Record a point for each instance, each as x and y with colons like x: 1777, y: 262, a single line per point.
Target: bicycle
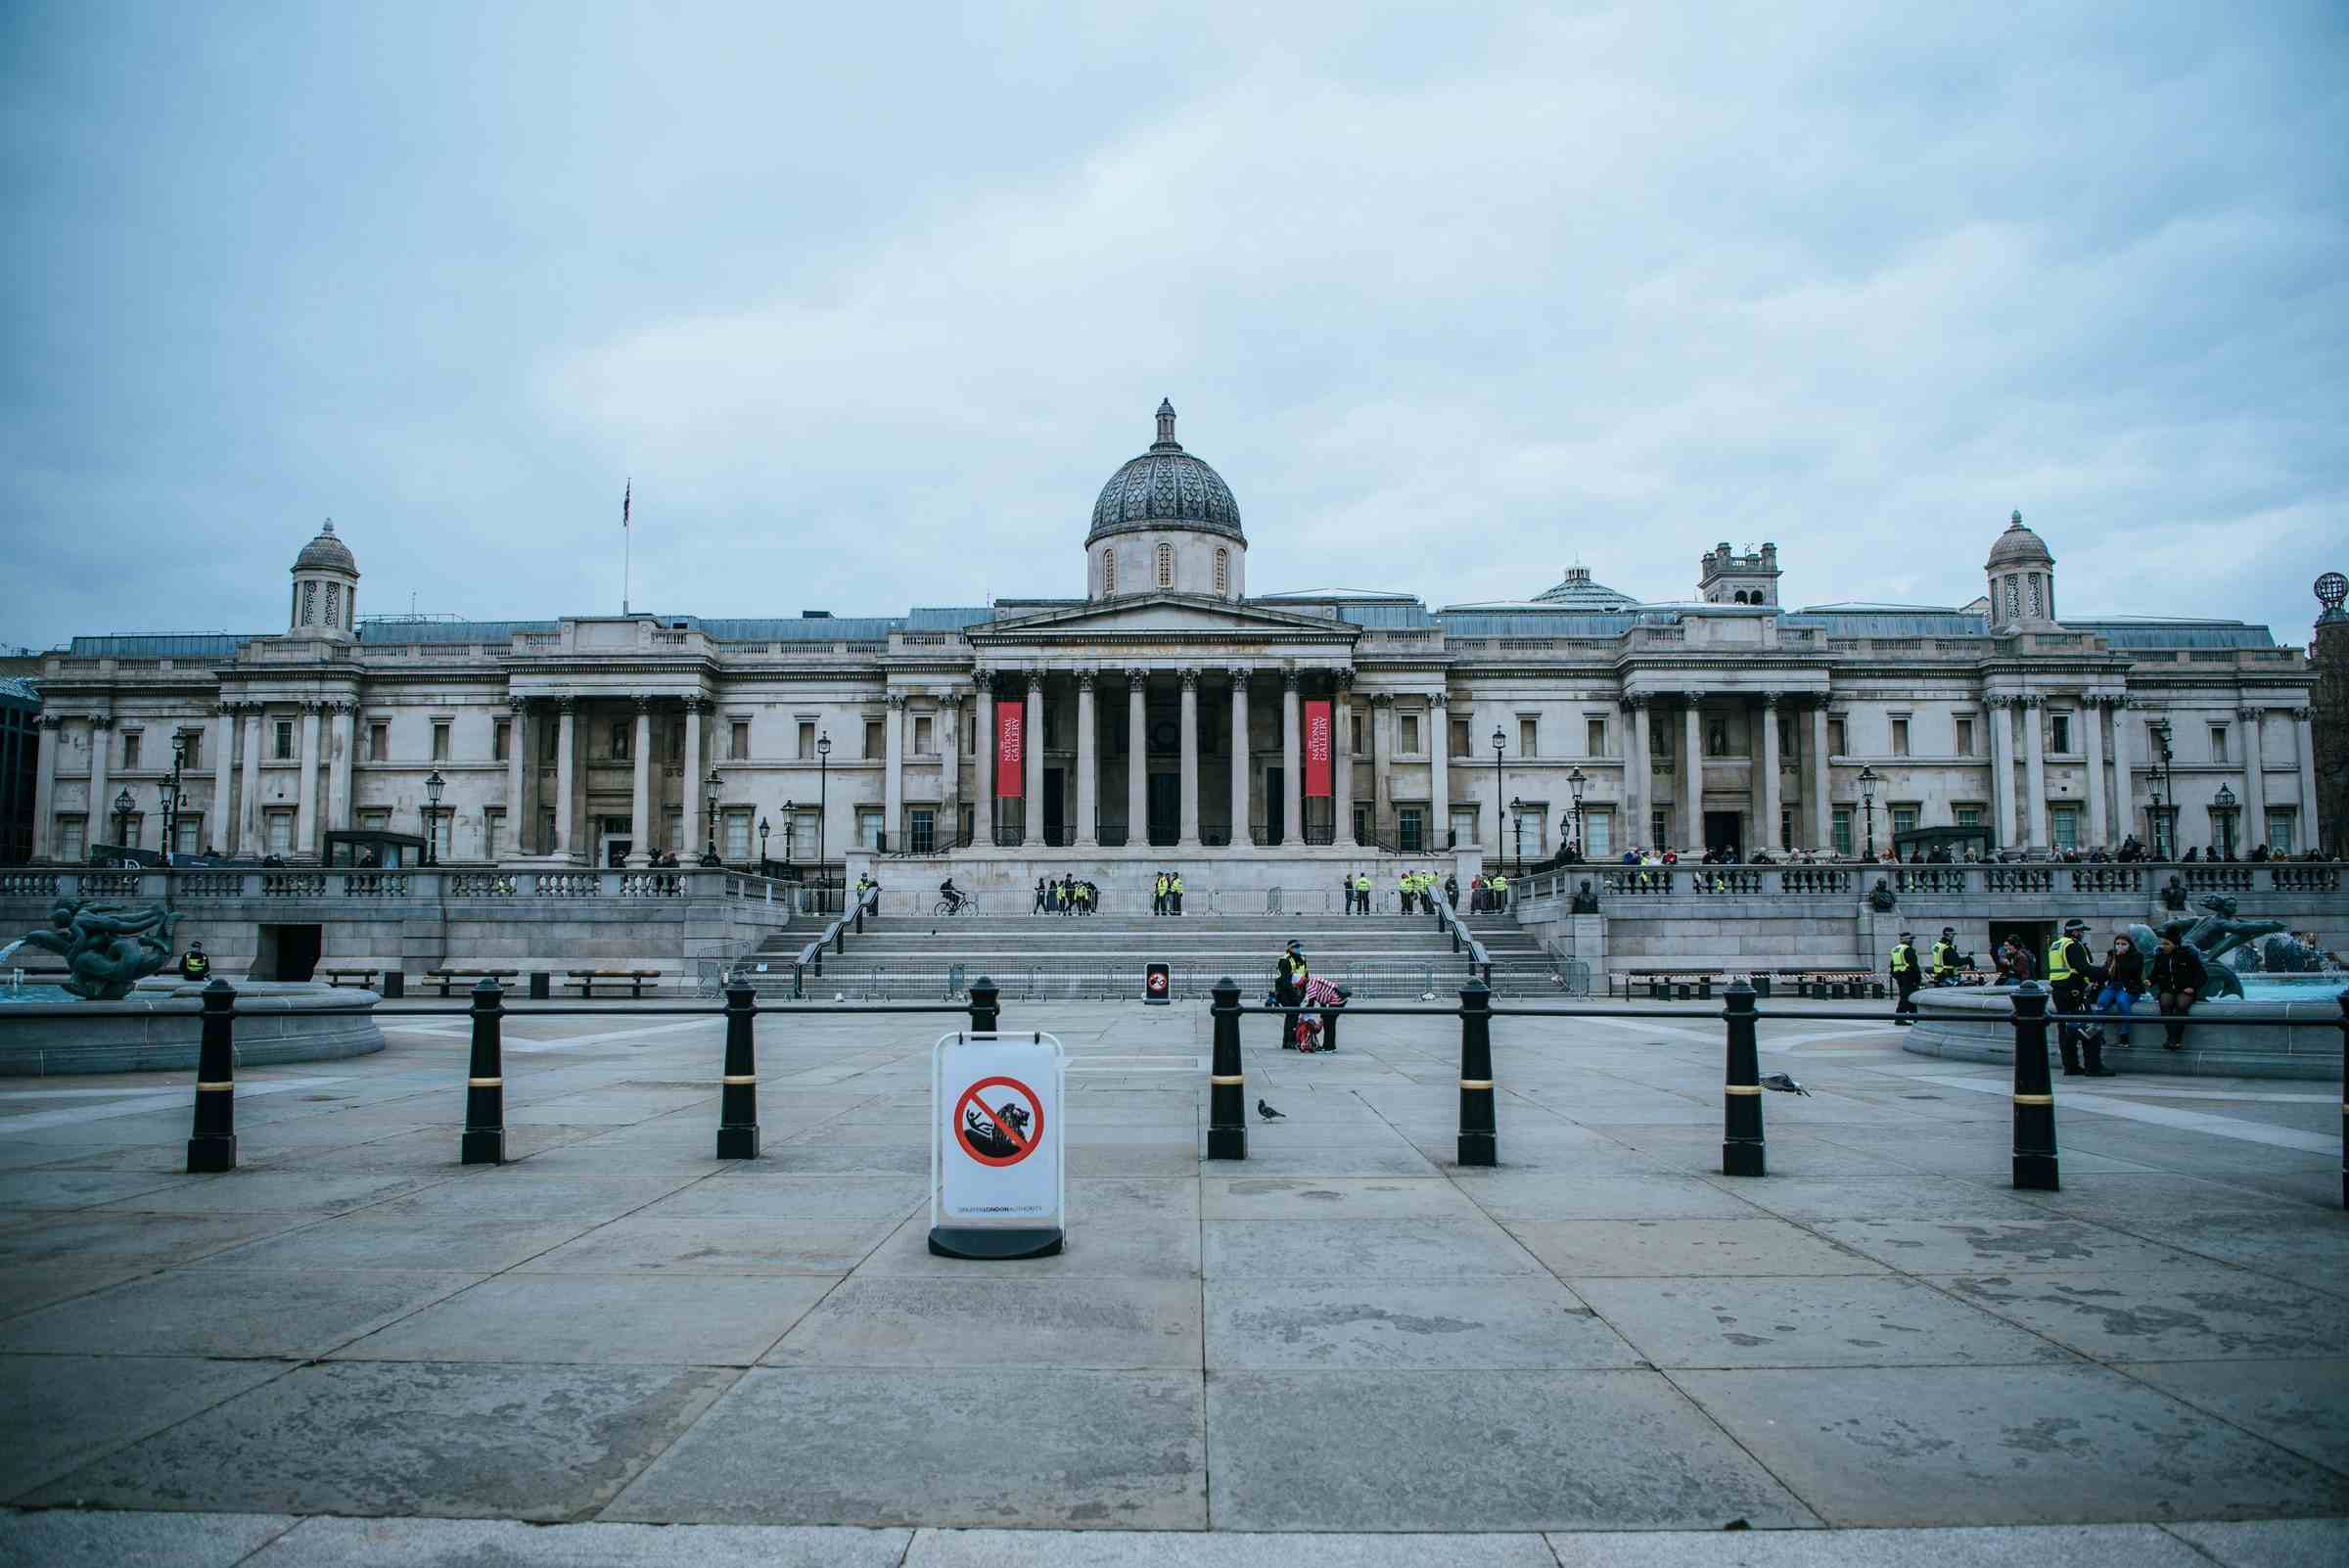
x: 952, y: 907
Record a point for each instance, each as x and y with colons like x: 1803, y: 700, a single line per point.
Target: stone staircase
x: 1035, y: 957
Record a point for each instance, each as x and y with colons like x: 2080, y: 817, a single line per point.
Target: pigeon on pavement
x: 1784, y: 1084
x: 1265, y: 1111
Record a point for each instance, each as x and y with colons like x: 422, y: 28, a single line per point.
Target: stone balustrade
x: 196, y: 886
x: 2058, y: 882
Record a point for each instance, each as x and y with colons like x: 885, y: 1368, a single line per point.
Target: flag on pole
x: 627, y: 498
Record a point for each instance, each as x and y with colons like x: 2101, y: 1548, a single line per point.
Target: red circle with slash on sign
x: 1004, y: 1133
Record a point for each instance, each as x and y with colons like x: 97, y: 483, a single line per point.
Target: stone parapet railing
x: 409, y: 885
x: 2142, y: 879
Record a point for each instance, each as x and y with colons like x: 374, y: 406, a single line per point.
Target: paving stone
x: 1262, y: 1197
x: 1758, y: 1245
x: 2271, y: 1543
x: 507, y: 1543
x: 392, y: 1437
x: 773, y: 1195
x: 1222, y: 1548
x: 517, y: 1195
x: 1917, y: 1197
x: 725, y: 1245
x: 997, y: 1321
x: 229, y: 1313
x: 61, y: 1539
x: 1114, y: 1242
x: 2165, y: 1196
x: 1514, y: 1195
x: 700, y: 1319
x: 2008, y: 1246
x: 1944, y: 1444
x: 1118, y: 1451
x: 1528, y: 1321
x: 259, y: 1190
x: 362, y: 1239
x: 2009, y: 1546
x: 2307, y: 1248
x: 1388, y: 1449
x: 1359, y: 1249
x: 2176, y: 1314
x: 2300, y: 1405
x: 80, y: 1190
x: 62, y: 1412
x: 1870, y: 1321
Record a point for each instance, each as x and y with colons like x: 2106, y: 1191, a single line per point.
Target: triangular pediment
x: 1158, y: 614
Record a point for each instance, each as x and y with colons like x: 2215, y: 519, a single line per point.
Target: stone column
x: 1089, y: 765
x: 518, y: 746
x: 2124, y: 771
x: 1239, y: 757
x: 2034, y: 773
x: 305, y: 803
x: 1693, y: 774
x: 1821, y: 787
x: 1032, y: 750
x: 1382, y: 763
x: 342, y: 738
x: 949, y: 767
x: 2002, y: 769
x: 1292, y: 781
x: 640, y: 800
x: 99, y: 826
x: 44, y: 787
x: 218, y: 834
x: 2305, y: 732
x: 693, y: 810
x: 567, y: 739
x: 2092, y: 723
x: 1190, y: 759
x: 249, y: 804
x: 1137, y: 756
x: 1341, y: 761
x: 1639, y: 766
x: 1769, y: 808
x: 2253, y: 823
x: 892, y: 772
x: 1439, y: 769
x: 983, y: 784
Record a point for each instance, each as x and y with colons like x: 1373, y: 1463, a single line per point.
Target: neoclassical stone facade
x: 1163, y: 714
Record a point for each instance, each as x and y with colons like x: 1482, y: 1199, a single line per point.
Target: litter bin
x: 541, y: 985
x: 395, y: 985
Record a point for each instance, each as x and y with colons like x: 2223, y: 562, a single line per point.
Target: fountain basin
x: 2254, y: 1038
x: 159, y: 1028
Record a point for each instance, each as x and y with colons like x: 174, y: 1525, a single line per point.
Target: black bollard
x: 1742, y: 1088
x: 738, y: 1092
x: 484, y: 1139
x: 983, y: 1011
x: 1329, y: 1030
x: 1226, y: 1084
x: 2034, y: 1093
x: 212, y: 1144
x: 1480, y: 1134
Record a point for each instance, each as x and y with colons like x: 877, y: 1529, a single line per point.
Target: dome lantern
x: 326, y: 589
x: 2022, y: 580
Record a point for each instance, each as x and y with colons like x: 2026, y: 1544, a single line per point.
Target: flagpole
x: 628, y: 541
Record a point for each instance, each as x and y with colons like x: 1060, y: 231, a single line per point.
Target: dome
x: 1166, y: 487
x: 1579, y: 592
x: 2019, y: 546
x: 326, y: 553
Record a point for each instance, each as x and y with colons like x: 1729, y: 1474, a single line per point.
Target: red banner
x: 1011, y: 751
x: 1316, y: 748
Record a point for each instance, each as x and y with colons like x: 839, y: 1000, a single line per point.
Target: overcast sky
x: 869, y: 300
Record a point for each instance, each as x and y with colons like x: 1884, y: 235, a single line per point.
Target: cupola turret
x: 326, y: 589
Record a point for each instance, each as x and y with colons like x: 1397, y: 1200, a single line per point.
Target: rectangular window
x: 130, y: 751
x: 742, y: 739
x: 73, y: 844
x: 440, y: 741
x: 191, y: 748
x: 2217, y: 743
x: 1837, y: 741
x: 623, y: 740
x: 375, y: 821
x: 1966, y: 737
x: 1463, y: 825
x: 2059, y: 734
x: 872, y: 739
x: 1598, y: 835
x: 2064, y: 825
x: 921, y: 830
x: 1966, y: 816
x: 1786, y: 827
x: 1410, y: 746
x: 280, y: 825
x: 1899, y: 737
x: 2283, y: 831
x: 737, y: 740
x: 676, y: 740
x: 187, y: 834
x: 1354, y: 728
x: 546, y: 831
x: 1410, y: 822
x: 1660, y: 742
x: 868, y: 827
x: 1843, y: 830
x: 923, y: 744
x: 1594, y: 737
x: 1527, y: 734
x: 1459, y: 739
x: 501, y: 740
x: 129, y: 830
x: 672, y: 824
x: 1658, y: 825
x: 283, y: 749
x: 1903, y: 820
x: 493, y: 831
x: 735, y: 826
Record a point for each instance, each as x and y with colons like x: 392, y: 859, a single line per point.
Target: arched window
x: 1741, y: 596
x: 1166, y: 565
x: 1222, y: 573
x: 1109, y: 572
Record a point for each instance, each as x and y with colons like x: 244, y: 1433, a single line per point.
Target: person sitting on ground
x: 2176, y: 978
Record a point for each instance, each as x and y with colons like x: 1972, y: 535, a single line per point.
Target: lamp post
x: 1499, y: 741
x: 1867, y: 803
x: 710, y: 787
x: 2165, y: 845
x: 791, y: 834
x: 1517, y: 830
x: 1575, y: 782
x: 2223, y: 821
x: 762, y: 845
x: 433, y: 784
x: 124, y: 807
x: 823, y: 757
x: 171, y: 790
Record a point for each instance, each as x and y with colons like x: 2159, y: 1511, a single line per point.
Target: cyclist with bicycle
x: 952, y: 894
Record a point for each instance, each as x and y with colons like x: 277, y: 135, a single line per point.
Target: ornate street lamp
x: 2222, y: 819
x: 2165, y: 838
x: 1868, y: 800
x: 762, y: 845
x: 710, y: 787
x: 823, y: 757
x: 171, y: 791
x: 1517, y: 828
x: 433, y: 784
x: 790, y: 832
x: 1499, y: 741
x: 1575, y: 782
x: 124, y: 807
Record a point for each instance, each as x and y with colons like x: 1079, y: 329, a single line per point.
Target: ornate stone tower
x: 1728, y: 578
x: 1166, y: 522
x: 326, y: 589
x: 2022, y: 581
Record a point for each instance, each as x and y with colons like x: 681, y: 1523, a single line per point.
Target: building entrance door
x: 1166, y: 807
x: 1721, y: 830
x: 1276, y: 807
x: 1056, y: 818
x: 614, y: 837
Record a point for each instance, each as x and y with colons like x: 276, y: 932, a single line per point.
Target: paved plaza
x: 353, y: 1349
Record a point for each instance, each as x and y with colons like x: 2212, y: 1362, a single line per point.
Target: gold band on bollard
x: 1742, y: 1088
x: 2035, y: 1100
x: 1219, y: 1078
x: 1476, y: 1082
x: 484, y: 1083
x: 203, y: 1087
x: 740, y: 1078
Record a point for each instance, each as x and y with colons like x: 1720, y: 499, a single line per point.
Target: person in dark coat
x: 1906, y: 976
x: 2178, y: 977
x: 2121, y: 979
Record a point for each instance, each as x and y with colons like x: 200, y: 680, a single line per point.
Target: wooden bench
x: 449, y: 976
x: 364, y: 979
x: 585, y: 980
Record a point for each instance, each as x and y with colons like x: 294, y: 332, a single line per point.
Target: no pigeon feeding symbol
x: 1004, y: 1133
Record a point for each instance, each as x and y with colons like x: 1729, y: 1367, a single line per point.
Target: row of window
x: 1161, y: 563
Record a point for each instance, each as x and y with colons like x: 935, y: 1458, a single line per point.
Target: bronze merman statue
x: 107, y: 948
x: 2211, y: 935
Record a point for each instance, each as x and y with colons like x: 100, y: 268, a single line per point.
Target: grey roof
x: 1165, y: 484
x: 160, y: 645
x: 18, y: 692
x: 1578, y: 592
x: 393, y: 632
x: 1334, y: 593
x: 326, y: 552
x: 1388, y: 616
x: 1484, y: 623
x: 2145, y: 633
x: 948, y: 618
x: 800, y: 628
x: 1892, y: 621
x: 2019, y: 546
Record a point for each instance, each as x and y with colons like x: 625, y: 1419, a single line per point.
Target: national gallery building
x: 1169, y: 713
